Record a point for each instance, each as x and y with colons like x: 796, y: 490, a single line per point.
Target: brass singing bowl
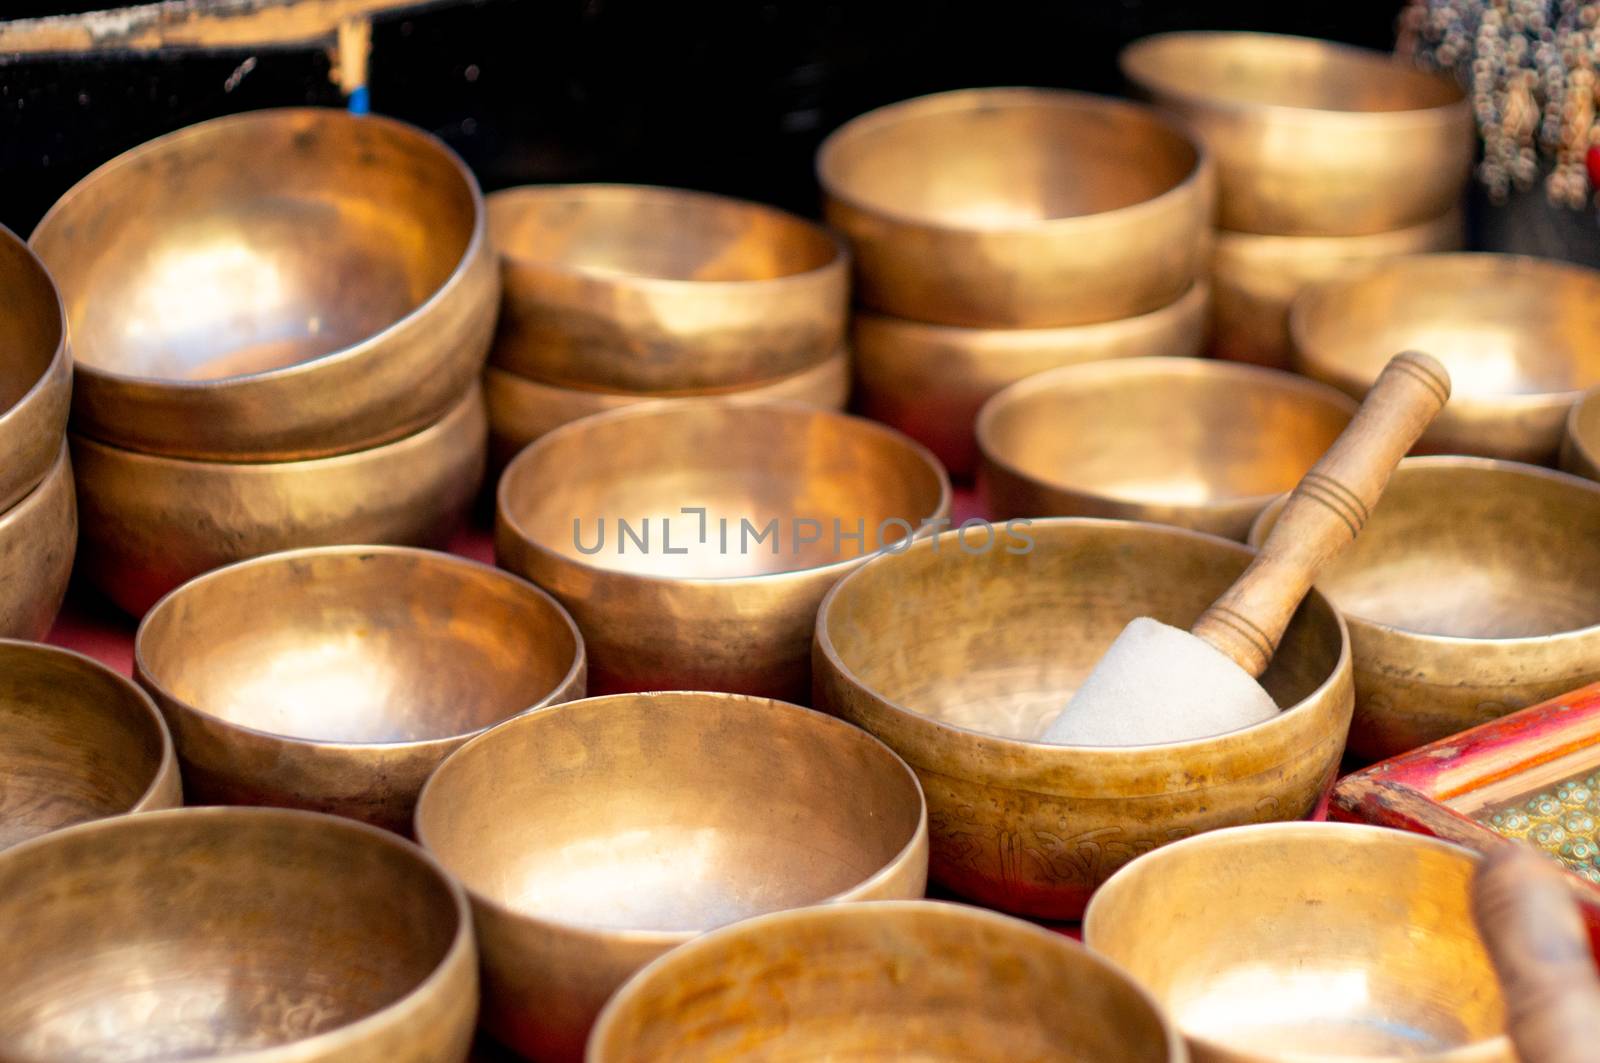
x: 958, y: 654
x: 1473, y: 591
x: 930, y: 381
x: 622, y: 517
x: 35, y: 371
x: 1255, y: 279
x: 522, y: 410
x: 272, y: 286
x: 151, y: 523
x: 1312, y: 138
x: 1292, y: 942
x: 1580, y: 447
x: 595, y: 836
x: 633, y: 288
x: 77, y: 742
x: 336, y: 679
x: 38, y: 539
x: 232, y: 934
x: 1520, y: 336
x: 937, y: 983
x: 1018, y: 208
x: 1194, y: 443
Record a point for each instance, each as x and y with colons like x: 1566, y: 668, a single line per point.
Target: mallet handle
x: 1326, y: 511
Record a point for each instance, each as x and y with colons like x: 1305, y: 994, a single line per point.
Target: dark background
x: 727, y: 96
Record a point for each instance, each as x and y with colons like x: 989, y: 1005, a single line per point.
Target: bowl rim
x: 839, y: 262
x: 1135, y: 52
x: 1486, y: 1050
x: 1185, y: 370
x: 1585, y: 447
x: 477, y: 242
x: 636, y: 984
x: 60, y: 360
x: 166, y: 771
x: 960, y: 101
x: 22, y: 508
x: 825, y: 645
x: 687, y: 406
x: 461, y: 950
x: 917, y: 842
x: 1267, y: 249
x: 1470, y: 463
x: 541, y: 391
x: 576, y: 670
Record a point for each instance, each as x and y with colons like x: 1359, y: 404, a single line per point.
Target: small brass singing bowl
x: 1194, y: 443
x: 958, y: 651
x: 35, y: 371
x: 1312, y: 138
x: 522, y: 410
x: 336, y: 679
x: 1520, y: 336
x: 38, y: 537
x: 77, y: 742
x: 938, y: 983
x: 693, y: 539
x: 595, y: 836
x: 1473, y: 591
x: 930, y: 381
x: 1293, y: 942
x: 272, y: 286
x: 633, y: 288
x: 1018, y: 208
x: 1256, y: 278
x: 151, y: 523
x: 232, y: 934
x: 1580, y: 448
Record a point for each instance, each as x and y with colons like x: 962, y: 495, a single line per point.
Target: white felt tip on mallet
x: 1159, y: 684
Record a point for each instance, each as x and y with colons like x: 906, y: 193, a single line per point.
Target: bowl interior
x: 1185, y: 436
x: 76, y: 742
x: 192, y: 934
x: 358, y: 645
x: 1306, y: 944
x: 998, y: 642
x: 1501, y: 325
x: 30, y: 321
x: 782, y: 488
x: 255, y: 243
x: 611, y: 230
x: 1267, y: 70
x: 1003, y: 158
x: 923, y: 982
x: 1473, y: 549
x: 668, y: 812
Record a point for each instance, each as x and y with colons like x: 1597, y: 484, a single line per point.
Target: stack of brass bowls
x: 1327, y: 156
x: 279, y: 319
x: 38, y: 513
x: 1002, y: 232
x: 616, y: 294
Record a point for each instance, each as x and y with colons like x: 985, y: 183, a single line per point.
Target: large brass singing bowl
x: 1312, y: 138
x: 38, y: 538
x: 1473, y: 591
x: 1291, y: 942
x: 1018, y: 208
x: 693, y: 540
x: 907, y: 980
x: 929, y: 381
x: 957, y: 658
x: 35, y: 371
x: 1520, y: 336
x: 522, y: 410
x: 273, y: 285
x: 1256, y: 278
x: 632, y: 288
x: 595, y: 836
x: 1198, y: 444
x: 1580, y: 447
x: 337, y: 679
x: 237, y: 935
x: 151, y: 523
x: 77, y: 742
